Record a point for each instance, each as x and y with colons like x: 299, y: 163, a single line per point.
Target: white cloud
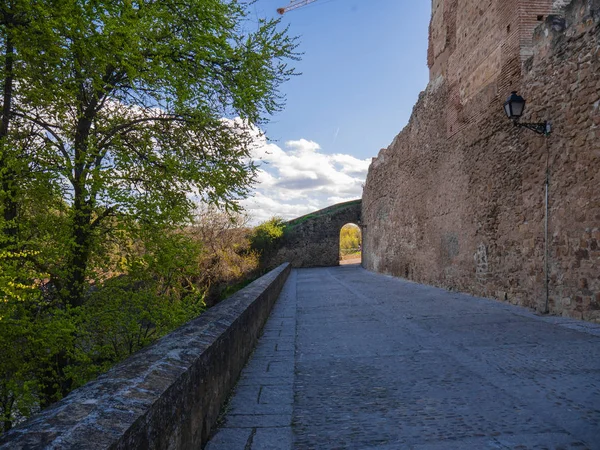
x: 300, y: 178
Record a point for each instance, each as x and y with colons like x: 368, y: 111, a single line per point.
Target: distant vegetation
x: 116, y: 119
x: 350, y: 241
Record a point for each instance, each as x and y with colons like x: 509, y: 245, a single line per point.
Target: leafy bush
x: 265, y: 236
x: 32, y: 333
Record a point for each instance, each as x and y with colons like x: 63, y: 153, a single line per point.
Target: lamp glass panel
x: 517, y: 107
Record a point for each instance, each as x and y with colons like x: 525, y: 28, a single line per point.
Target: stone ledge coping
x: 167, y: 395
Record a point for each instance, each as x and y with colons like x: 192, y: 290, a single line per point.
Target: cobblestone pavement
x: 353, y: 359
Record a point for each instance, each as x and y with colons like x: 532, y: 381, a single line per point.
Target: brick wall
x: 478, y: 47
x: 463, y: 207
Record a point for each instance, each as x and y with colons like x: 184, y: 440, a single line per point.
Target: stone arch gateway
x: 313, y: 240
x: 350, y: 244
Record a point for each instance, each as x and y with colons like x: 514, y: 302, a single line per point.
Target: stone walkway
x: 352, y: 359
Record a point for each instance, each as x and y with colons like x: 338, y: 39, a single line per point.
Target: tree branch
x: 106, y: 213
x: 125, y: 126
x: 48, y: 128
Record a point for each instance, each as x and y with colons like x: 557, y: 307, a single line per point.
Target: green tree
x: 139, y: 111
x: 116, y: 117
x: 28, y: 52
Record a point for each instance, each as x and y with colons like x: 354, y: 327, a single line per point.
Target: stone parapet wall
x: 465, y: 210
x: 166, y: 396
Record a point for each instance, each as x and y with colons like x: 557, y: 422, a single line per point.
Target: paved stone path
x: 352, y: 359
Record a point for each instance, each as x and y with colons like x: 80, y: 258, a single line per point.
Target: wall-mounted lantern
x: 514, y: 108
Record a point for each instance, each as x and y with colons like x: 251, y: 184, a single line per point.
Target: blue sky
x: 364, y: 63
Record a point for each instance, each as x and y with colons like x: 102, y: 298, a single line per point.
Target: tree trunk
x: 81, y: 230
x: 80, y: 253
x: 8, y: 182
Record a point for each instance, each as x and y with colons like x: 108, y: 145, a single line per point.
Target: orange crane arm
x: 294, y: 4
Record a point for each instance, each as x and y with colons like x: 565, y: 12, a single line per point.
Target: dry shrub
x: 226, y: 261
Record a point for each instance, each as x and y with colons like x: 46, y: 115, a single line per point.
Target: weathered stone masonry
x: 313, y: 240
x: 457, y: 200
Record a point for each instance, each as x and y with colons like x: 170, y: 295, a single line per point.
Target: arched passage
x: 313, y: 240
x: 350, y: 244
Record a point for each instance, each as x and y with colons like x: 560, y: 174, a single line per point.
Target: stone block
x: 273, y: 439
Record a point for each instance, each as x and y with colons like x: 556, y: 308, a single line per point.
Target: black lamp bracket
x: 544, y: 128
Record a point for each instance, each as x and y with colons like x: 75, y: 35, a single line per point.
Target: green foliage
x: 266, y: 235
x: 131, y: 106
x: 29, y: 341
x: 12, y: 290
x: 31, y: 334
x: 115, y: 118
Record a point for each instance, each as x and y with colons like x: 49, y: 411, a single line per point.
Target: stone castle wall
x: 477, y: 47
x: 457, y: 200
